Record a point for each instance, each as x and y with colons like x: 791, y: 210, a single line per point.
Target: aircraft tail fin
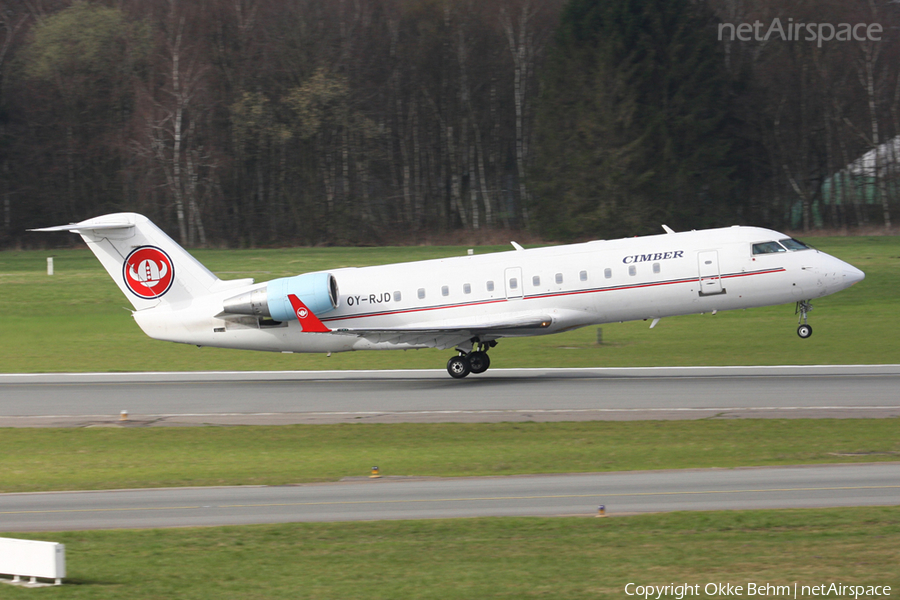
x: 148, y: 266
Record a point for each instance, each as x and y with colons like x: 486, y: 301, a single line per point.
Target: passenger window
x: 559, y: 278
x: 467, y: 288
x: 396, y: 296
x: 656, y: 267
x: 513, y: 283
x: 445, y: 291
x: 490, y: 286
x: 536, y: 280
x: 607, y: 273
x: 632, y: 270
x: 421, y: 293
x: 583, y: 276
x: 768, y: 248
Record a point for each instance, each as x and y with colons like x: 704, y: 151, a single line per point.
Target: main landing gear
x: 803, y: 307
x: 475, y: 361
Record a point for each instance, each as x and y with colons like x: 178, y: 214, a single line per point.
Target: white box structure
x: 28, y: 558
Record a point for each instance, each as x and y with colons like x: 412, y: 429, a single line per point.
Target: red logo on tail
x: 148, y: 272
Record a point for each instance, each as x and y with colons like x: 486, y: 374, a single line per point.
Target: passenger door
x: 710, y: 278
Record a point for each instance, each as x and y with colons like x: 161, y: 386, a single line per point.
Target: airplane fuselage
x: 574, y: 285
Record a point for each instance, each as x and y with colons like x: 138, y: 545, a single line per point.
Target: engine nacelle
x: 318, y: 291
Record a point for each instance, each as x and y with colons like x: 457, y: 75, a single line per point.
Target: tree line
x: 272, y: 122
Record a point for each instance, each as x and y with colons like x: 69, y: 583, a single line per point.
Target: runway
x: 543, y: 495
x: 186, y: 398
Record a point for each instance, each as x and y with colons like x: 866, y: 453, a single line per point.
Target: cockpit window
x: 792, y: 244
x: 768, y: 248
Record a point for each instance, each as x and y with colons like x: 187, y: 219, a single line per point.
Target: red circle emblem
x: 148, y: 272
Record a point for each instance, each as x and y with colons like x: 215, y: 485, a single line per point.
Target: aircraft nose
x: 852, y: 275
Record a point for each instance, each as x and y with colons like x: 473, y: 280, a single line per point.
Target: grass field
x: 74, y: 320
x: 104, y: 458
x: 564, y: 558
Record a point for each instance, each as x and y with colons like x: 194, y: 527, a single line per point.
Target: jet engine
x: 318, y: 291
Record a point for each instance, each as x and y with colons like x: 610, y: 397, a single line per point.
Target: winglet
x: 308, y: 320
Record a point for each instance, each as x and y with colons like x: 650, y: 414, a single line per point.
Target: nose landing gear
x: 803, y: 307
x: 475, y: 361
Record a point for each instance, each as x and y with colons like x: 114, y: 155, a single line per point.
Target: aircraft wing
x: 449, y: 336
x: 499, y: 327
x: 439, y: 336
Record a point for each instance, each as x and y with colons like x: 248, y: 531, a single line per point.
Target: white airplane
x: 466, y: 302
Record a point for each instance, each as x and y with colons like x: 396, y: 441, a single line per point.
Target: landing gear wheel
x: 804, y: 307
x: 458, y: 367
x: 479, y: 362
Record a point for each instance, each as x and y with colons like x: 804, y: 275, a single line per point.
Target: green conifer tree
x: 633, y: 121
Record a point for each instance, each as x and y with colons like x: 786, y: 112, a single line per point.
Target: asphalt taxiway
x: 190, y: 398
x: 412, y: 498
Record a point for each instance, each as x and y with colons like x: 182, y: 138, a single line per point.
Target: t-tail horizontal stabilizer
x: 308, y: 320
